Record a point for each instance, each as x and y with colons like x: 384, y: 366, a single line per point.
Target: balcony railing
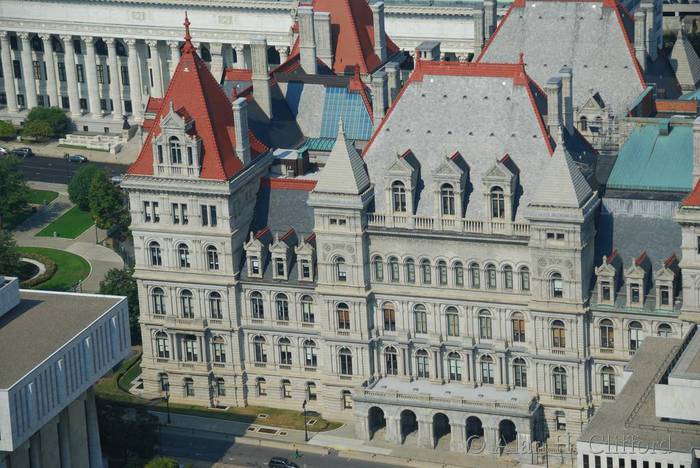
x: 455, y: 401
x: 465, y: 226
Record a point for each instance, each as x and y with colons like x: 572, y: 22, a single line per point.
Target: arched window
x: 215, y: 305
x: 422, y: 364
x: 282, y: 307
x: 341, y: 272
x: 311, y: 391
x: 584, y: 123
x: 664, y: 330
x: 158, y: 300
x: 556, y: 285
x: 191, y: 348
x: 186, y: 303
x: 175, y: 150
x: 559, y: 377
x: 607, y: 381
x: 212, y: 258
x: 635, y: 335
x: 410, y: 270
x: 345, y: 361
x: 458, y: 270
x: 454, y: 366
x: 162, y: 345
x: 261, y: 385
x: 420, y: 318
x: 183, y: 255
x: 389, y: 313
x: 257, y: 306
x: 310, y: 358
x: 398, y: 197
x: 498, y: 203
x: 517, y: 321
x: 491, y: 276
x: 475, y: 275
x: 487, y: 369
x: 286, y: 388
x: 164, y: 382
x: 507, y: 277
x: 218, y: 347
x: 343, y: 312
x: 519, y: 372
x: 391, y: 361
x: 394, y: 269
x: 524, y: 279
x: 442, y: 272
x: 558, y: 335
x: 485, y: 329
x: 452, y: 317
x: 378, y: 268
x: 154, y: 250
x: 346, y: 398
x: 447, y: 198
x: 606, y: 334
x: 285, y: 349
x: 259, y: 349
x: 426, y: 273
x: 219, y: 387
x: 307, y: 309
x: 188, y: 387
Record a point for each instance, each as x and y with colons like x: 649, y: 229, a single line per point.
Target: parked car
x: 77, y: 158
x: 117, y: 179
x: 279, y: 462
x: 4, y: 151
x: 23, y: 152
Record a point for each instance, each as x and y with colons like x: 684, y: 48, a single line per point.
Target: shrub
x: 162, y: 462
x: 49, y: 264
x: 38, y: 129
x: 7, y: 130
x: 55, y: 117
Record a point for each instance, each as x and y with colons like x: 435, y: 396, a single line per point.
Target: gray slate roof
x: 685, y: 62
x: 344, y: 171
x: 582, y: 35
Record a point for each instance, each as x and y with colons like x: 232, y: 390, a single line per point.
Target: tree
x: 79, y: 187
x: 122, y: 283
x: 13, y: 189
x: 9, y: 256
x: 38, y: 129
x: 107, y: 205
x: 125, y: 436
x: 7, y: 130
x: 162, y: 462
x: 55, y: 117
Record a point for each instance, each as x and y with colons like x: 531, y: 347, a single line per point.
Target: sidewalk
x: 51, y: 149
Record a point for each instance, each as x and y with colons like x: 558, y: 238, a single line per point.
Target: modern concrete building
x: 53, y: 348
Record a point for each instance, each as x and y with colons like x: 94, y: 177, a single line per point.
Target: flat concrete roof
x: 688, y: 366
x: 633, y: 414
x: 40, y: 325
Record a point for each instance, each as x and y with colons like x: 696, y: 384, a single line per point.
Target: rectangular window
x: 36, y: 66
x: 634, y: 292
x: 127, y: 106
x: 83, y: 104
x: 160, y: 154
x: 597, y: 462
x: 147, y: 212
x: 212, y: 216
x: 156, y: 212
x: 665, y: 295
x: 605, y: 288
x: 279, y: 267
x: 103, y: 105
x: 65, y: 102
x: 20, y: 100
x: 610, y: 462
x: 254, y: 265
x: 150, y: 76
x: 586, y: 462
x: 3, y: 98
x: 61, y: 71
x: 109, y: 75
x: 78, y: 46
x: 176, y: 214
x: 100, y: 73
x: 14, y: 43
x: 205, y: 215
x: 190, y: 159
x: 125, y: 75
x: 183, y: 213
x: 452, y: 325
x: 620, y: 463
x: 17, y: 69
x: 305, y: 269
x: 80, y: 72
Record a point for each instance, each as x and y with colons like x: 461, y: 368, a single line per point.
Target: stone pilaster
x: 284, y: 53
x: 28, y: 71
x: 35, y: 451
x: 134, y: 80
x: 174, y: 56
x: 156, y: 69
x: 425, y: 434
x: 217, y: 60
x: 71, y: 76
x: 93, y: 431
x: 240, y: 56
x: 91, y: 76
x: 458, y: 437
x: 50, y: 449
x: 115, y: 88
x: 64, y: 438
x: 51, y: 83
x: 8, y: 73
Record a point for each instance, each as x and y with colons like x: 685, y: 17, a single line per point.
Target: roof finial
x: 341, y: 128
x: 357, y: 73
x: 188, y: 37
x: 521, y: 58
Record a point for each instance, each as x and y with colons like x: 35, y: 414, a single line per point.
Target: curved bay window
x: 398, y: 197
x: 498, y: 203
x: 447, y: 200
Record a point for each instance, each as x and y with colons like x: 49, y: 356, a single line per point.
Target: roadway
x: 204, y: 449
x: 58, y: 171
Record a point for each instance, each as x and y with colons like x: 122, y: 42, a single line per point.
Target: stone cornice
x: 241, y: 4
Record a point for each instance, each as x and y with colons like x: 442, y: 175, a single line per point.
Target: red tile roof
x: 693, y: 199
x: 305, y: 185
x: 194, y: 92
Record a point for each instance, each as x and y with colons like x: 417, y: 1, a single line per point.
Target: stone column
x: 284, y: 53
x: 174, y: 56
x: 393, y: 430
x: 115, y: 87
x: 362, y: 425
x: 71, y: 76
x: 50, y: 452
x: 134, y: 80
x: 91, y: 77
x: 20, y: 457
x: 8, y: 72
x: 240, y: 55
x: 28, y: 71
x: 64, y: 438
x: 490, y: 440
x: 51, y: 82
x: 35, y: 450
x: 425, y: 434
x: 156, y: 66
x: 458, y: 437
x: 93, y: 431
x: 217, y: 60
x: 78, y: 433
x: 3, y: 460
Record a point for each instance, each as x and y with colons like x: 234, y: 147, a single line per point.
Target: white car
x: 4, y: 151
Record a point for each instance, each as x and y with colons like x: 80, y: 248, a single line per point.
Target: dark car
x: 77, y: 158
x: 23, y: 152
x: 279, y: 462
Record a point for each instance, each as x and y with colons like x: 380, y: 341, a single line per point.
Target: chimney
x: 640, y: 38
x: 553, y: 90
x: 379, y: 99
x: 393, y: 74
x: 567, y: 100
x: 240, y: 123
x: 322, y: 34
x: 428, y: 51
x: 379, y: 35
x: 650, y: 11
x: 479, y: 38
x: 490, y: 18
x: 261, y: 74
x: 696, y: 151
x: 307, y: 42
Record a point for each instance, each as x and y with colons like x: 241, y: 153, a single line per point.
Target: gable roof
x: 685, y: 62
x: 344, y: 171
x: 582, y: 30
x: 194, y: 92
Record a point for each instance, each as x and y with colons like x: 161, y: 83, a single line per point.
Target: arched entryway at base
x: 475, y: 434
x: 377, y: 421
x: 507, y: 434
x: 409, y: 426
x: 441, y: 431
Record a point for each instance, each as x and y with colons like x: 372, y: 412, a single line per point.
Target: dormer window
x: 498, y: 203
x: 398, y: 196
x: 664, y: 296
x: 175, y: 150
x: 305, y: 269
x: 254, y: 265
x: 635, y: 296
x: 605, y: 291
x: 280, y: 268
x: 447, y: 198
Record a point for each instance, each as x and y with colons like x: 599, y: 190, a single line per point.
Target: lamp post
x: 167, y: 399
x: 306, y: 434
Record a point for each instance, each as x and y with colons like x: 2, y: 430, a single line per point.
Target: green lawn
x: 70, y: 225
x: 70, y: 268
x: 39, y: 197
x: 114, y: 389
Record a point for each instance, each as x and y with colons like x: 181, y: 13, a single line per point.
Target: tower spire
x: 188, y: 37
